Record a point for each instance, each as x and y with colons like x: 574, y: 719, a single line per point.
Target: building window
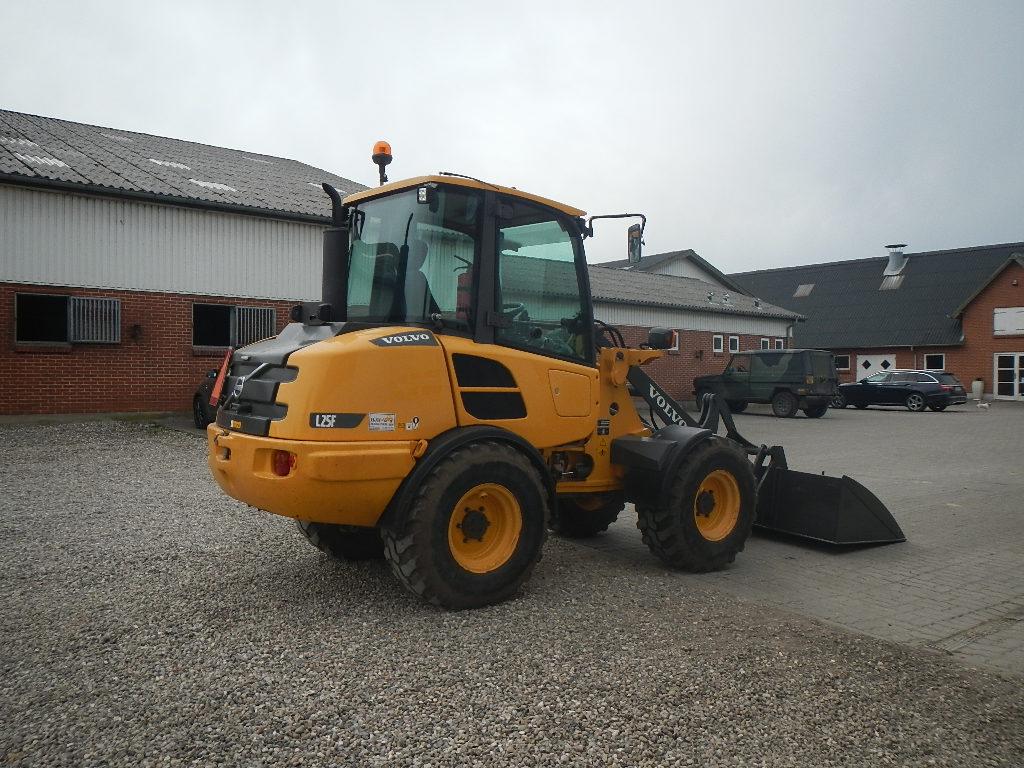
x: 48, y: 319
x: 935, y: 362
x: 842, y: 362
x: 675, y: 341
x: 766, y: 343
x: 804, y: 289
x: 1008, y: 321
x: 734, y: 343
x: 224, y: 325
x: 718, y: 343
x: 780, y: 343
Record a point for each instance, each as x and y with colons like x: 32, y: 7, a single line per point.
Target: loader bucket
x: 829, y: 509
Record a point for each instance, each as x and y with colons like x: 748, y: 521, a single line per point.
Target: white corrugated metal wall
x: 57, y: 238
x: 685, y: 320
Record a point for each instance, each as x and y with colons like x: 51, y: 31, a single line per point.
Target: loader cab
x: 463, y: 257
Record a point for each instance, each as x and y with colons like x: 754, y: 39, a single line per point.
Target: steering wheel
x: 515, y: 310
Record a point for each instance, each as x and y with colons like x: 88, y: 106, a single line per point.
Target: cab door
x: 736, y: 378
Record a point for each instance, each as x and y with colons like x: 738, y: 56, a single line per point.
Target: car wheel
x: 937, y: 408
x: 815, y: 413
x: 737, y: 406
x: 198, y: 415
x: 915, y: 402
x: 838, y: 400
x: 784, y: 404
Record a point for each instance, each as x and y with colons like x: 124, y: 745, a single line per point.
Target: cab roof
x: 460, y: 181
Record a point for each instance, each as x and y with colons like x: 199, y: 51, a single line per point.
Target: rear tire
x: 784, y: 404
x: 937, y: 408
x: 706, y: 518
x: 585, y: 517
x: 915, y: 402
x: 198, y: 414
x: 815, y: 413
x: 474, y: 530
x: 737, y: 406
x: 344, y: 542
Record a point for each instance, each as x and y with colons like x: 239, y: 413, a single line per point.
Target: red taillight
x: 282, y: 462
x: 946, y: 387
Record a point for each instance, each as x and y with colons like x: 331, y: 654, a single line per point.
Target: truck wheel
x: 815, y: 413
x: 474, y: 529
x: 585, y: 516
x: 198, y: 416
x: 784, y: 404
x: 706, y: 518
x: 915, y: 402
x: 345, y: 542
x: 737, y: 406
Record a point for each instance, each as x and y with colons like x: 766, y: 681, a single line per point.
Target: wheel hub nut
x: 705, y: 503
x: 474, y: 524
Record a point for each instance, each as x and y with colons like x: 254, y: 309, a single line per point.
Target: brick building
x: 960, y: 310
x: 129, y: 262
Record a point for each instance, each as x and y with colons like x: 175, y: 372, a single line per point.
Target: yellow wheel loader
x: 452, y: 398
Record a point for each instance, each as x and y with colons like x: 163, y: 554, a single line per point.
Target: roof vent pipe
x: 897, y: 259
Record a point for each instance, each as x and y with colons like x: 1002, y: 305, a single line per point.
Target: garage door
x: 869, y: 364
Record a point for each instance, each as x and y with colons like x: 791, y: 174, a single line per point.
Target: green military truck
x: 789, y: 379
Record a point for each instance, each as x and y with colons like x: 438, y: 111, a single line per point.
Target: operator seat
x: 419, y: 301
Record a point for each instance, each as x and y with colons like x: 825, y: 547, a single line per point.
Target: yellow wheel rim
x: 716, y: 507
x: 484, y: 528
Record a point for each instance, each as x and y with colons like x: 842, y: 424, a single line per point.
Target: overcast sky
x: 758, y: 134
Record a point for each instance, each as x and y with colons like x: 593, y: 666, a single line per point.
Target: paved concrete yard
x: 955, y: 483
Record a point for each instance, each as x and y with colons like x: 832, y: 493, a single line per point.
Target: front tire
x: 585, y: 516
x: 915, y: 402
x: 784, y: 404
x: 474, y: 530
x: 706, y: 518
x: 344, y: 542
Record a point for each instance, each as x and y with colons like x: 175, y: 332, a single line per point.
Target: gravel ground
x: 149, y: 620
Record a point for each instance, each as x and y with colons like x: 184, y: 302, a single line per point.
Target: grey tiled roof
x: 51, y: 152
x: 846, y: 309
x: 618, y: 286
x: 655, y: 260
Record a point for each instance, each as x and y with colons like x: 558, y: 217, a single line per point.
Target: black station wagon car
x: 789, y: 379
x: 916, y: 390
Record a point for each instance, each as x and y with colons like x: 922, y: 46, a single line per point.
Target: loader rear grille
x: 250, y: 394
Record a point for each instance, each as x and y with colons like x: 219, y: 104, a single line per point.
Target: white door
x: 1009, y: 375
x: 869, y: 364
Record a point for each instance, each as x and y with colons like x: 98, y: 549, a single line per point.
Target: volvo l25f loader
x: 452, y: 397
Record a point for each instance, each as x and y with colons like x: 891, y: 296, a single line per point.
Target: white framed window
x: 56, y: 319
x: 225, y: 325
x: 734, y: 343
x: 675, y: 340
x: 935, y: 362
x: 718, y: 344
x: 766, y: 343
x: 842, y: 362
x: 1008, y: 321
x: 780, y: 343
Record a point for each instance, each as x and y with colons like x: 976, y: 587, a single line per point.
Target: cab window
x: 739, y: 364
x: 539, y: 295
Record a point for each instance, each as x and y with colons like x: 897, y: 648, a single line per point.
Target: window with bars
x: 226, y: 325
x: 717, y: 343
x: 48, y: 319
x: 734, y: 343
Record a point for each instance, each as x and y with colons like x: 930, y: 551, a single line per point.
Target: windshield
x: 412, y: 261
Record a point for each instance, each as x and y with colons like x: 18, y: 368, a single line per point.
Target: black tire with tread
x: 344, y: 542
x: 915, y: 402
x: 198, y: 415
x: 575, y: 521
x: 817, y: 412
x: 670, y: 530
x: 416, y: 539
x: 784, y: 404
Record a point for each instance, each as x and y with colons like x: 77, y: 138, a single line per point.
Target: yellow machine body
x: 406, y: 397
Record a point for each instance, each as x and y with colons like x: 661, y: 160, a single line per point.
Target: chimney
x: 897, y: 260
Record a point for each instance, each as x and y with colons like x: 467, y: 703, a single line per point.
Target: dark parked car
x: 916, y: 390
x: 202, y: 412
x: 789, y: 379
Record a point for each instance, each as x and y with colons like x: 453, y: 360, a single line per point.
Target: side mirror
x: 661, y: 338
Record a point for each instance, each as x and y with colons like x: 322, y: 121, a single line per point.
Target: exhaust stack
x: 897, y: 259
x: 335, y: 273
